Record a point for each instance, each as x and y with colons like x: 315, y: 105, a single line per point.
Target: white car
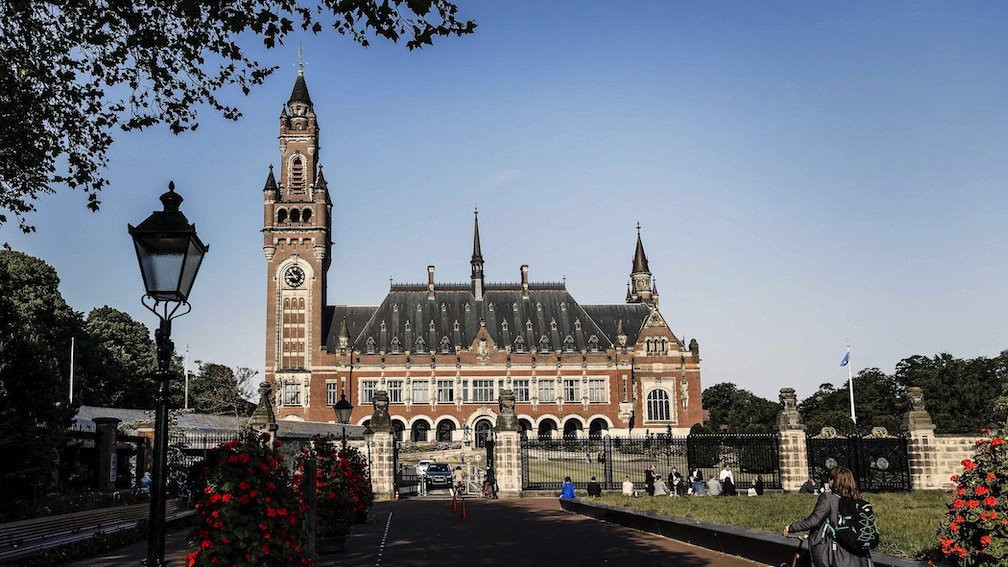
x: 421, y: 467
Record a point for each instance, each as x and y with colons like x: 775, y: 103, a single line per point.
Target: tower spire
x: 640, y: 275
x: 477, y: 259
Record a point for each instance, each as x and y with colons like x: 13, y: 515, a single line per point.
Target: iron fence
x: 545, y: 463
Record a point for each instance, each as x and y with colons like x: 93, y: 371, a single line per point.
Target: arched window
x: 658, y: 405
x: 295, y: 215
x: 483, y: 428
x: 398, y: 427
x: 370, y: 345
x: 286, y: 303
x: 297, y: 178
x: 546, y: 428
x: 282, y: 216
x: 300, y: 303
x: 445, y: 345
x: 571, y: 429
x: 444, y: 431
x: 593, y: 343
x: 395, y: 345
x: 420, y: 345
x: 420, y: 430
x: 306, y: 215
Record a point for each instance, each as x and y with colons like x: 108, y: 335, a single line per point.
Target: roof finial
x: 638, y: 228
x: 300, y: 61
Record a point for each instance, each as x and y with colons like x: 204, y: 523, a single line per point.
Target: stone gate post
x: 793, y: 450
x: 507, y: 450
x: 922, y: 447
x: 106, y: 431
x: 382, y: 448
x: 263, y: 419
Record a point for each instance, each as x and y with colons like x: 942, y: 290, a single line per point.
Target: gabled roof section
x: 354, y: 316
x: 608, y: 316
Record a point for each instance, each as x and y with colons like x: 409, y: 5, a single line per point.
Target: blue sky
x: 805, y: 174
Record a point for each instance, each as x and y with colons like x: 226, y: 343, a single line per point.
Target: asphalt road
x: 511, y: 533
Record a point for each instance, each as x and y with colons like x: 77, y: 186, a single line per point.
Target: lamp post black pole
x: 156, y: 528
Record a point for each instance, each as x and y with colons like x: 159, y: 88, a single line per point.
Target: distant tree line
x: 114, y: 366
x: 962, y: 396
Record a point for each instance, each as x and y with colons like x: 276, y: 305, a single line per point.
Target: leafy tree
x: 880, y: 403
x: 735, y: 410
x: 216, y: 388
x: 35, y: 329
x: 960, y: 394
x: 76, y: 71
x: 118, y: 359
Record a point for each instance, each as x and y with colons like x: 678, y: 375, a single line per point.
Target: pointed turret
x: 640, y: 275
x: 477, y: 260
x: 300, y: 92
x: 271, y: 184
x: 344, y: 334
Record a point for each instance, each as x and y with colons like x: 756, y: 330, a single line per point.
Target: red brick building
x: 443, y: 351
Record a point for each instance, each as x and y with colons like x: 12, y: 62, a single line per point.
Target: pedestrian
x: 568, y: 490
x: 823, y: 548
x: 649, y: 480
x: 594, y: 488
x: 490, y: 484
x: 601, y: 458
x: 145, y: 483
x: 458, y: 479
x: 627, y: 486
x: 758, y: 485
x: 725, y: 473
x: 713, y: 486
x: 588, y: 457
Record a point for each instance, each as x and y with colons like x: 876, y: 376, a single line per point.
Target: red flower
x: 954, y: 527
x: 262, y: 526
x: 957, y: 503
x: 985, y: 541
x: 271, y: 512
x: 214, y: 498
x: 243, y: 485
x: 226, y: 498
x: 991, y: 476
x: 982, y: 490
x: 264, y: 548
x: 191, y: 558
x: 990, y: 502
x: 997, y: 441
x: 972, y: 503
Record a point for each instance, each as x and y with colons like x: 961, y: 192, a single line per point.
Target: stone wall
x: 950, y: 450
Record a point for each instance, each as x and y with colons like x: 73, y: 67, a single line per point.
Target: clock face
x: 294, y: 276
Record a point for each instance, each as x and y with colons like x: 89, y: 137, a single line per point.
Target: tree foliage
x: 738, y: 411
x: 117, y: 361
x: 880, y: 403
x: 219, y: 389
x: 75, y: 72
x: 960, y: 394
x: 35, y: 329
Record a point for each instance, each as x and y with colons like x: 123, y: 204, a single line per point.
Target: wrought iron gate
x: 879, y: 461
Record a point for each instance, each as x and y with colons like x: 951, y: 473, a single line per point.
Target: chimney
x: 524, y: 281
x: 430, y: 282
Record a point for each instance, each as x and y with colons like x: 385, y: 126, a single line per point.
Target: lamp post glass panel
x: 170, y: 254
x: 343, y: 409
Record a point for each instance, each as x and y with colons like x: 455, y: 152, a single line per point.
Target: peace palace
x: 444, y: 351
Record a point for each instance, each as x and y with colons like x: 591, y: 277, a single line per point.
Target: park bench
x: 25, y: 537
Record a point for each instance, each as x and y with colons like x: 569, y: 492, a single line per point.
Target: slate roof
x: 300, y: 91
x: 407, y: 314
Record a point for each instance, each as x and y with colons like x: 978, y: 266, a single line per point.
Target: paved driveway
x: 509, y: 533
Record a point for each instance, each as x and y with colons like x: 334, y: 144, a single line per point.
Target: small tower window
x: 306, y: 215
x: 295, y: 215
x: 282, y: 216
x: 297, y: 177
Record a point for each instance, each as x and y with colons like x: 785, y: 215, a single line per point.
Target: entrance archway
x: 483, y: 428
x: 524, y: 427
x: 571, y: 429
x: 398, y: 427
x: 445, y: 427
x: 546, y: 428
x: 421, y: 428
x: 597, y: 427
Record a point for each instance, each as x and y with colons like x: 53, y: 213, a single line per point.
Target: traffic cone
x: 454, y: 502
x: 465, y: 515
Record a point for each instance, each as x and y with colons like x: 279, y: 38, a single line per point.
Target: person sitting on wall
x: 696, y: 479
x: 594, y: 488
x: 728, y: 487
x: 758, y: 485
x: 659, y: 487
x: 808, y: 488
x: 568, y: 490
x: 714, y: 486
x: 627, y: 486
x: 649, y: 480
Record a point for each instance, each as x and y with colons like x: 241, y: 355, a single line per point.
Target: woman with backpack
x: 838, y: 514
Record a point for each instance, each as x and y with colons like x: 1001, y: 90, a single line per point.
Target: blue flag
x: 845, y: 360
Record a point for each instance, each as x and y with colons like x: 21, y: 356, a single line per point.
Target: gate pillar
x: 794, y: 469
x: 507, y: 448
x: 921, y: 448
x: 382, y: 449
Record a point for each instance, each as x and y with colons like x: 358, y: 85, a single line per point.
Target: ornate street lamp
x: 343, y: 409
x: 170, y: 254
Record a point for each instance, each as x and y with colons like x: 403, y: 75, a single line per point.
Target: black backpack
x: 856, y: 530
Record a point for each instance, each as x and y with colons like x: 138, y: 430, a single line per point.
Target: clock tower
x: 296, y: 232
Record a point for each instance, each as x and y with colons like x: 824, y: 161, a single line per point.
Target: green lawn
x: 907, y: 521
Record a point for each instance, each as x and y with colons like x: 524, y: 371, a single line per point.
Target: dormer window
x: 528, y: 324
x: 577, y: 324
x: 568, y: 344
x: 553, y: 325
x: 420, y: 345
x: 519, y: 344
x: 504, y: 326
x: 395, y: 346
x: 593, y: 343
x: 370, y: 345
x: 445, y: 345
x: 455, y: 327
x: 544, y: 345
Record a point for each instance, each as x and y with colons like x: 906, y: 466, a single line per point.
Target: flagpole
x: 186, y: 367
x: 850, y: 386
x: 72, y: 344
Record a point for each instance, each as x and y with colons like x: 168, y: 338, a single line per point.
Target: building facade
x: 444, y: 351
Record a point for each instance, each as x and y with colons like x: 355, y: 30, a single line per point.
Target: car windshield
x: 437, y: 467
